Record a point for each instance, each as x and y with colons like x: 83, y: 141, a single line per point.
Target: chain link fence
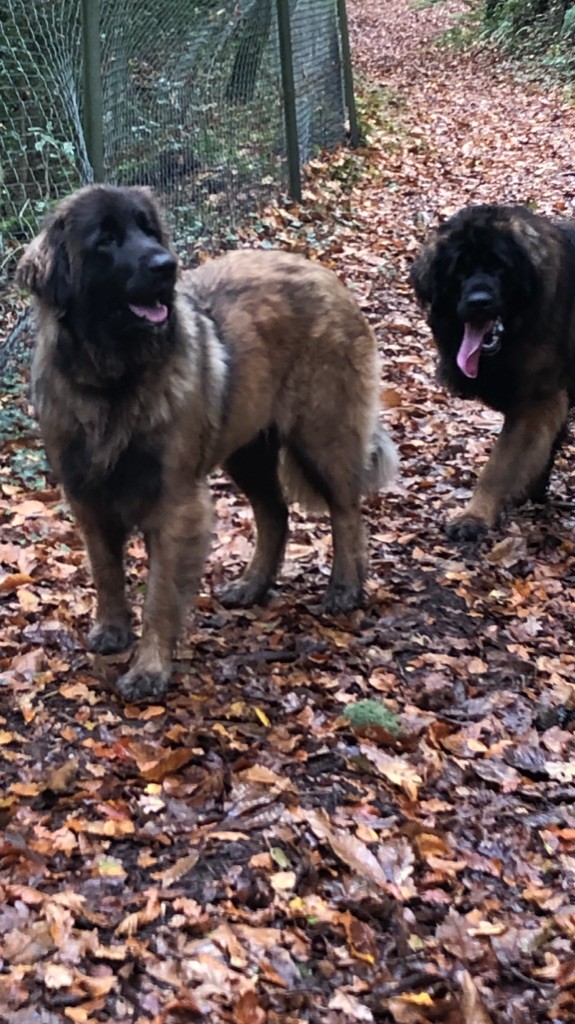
x: 188, y: 97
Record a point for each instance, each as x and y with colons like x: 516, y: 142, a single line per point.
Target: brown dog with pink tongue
x: 145, y: 380
x: 497, y: 284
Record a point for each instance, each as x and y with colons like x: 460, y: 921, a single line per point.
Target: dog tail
x: 382, y: 462
x: 379, y: 469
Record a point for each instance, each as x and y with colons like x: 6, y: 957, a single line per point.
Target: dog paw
x: 243, y: 593
x: 466, y: 527
x: 110, y: 638
x: 339, y: 599
x: 140, y: 687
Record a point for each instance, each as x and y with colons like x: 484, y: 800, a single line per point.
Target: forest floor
x: 251, y: 852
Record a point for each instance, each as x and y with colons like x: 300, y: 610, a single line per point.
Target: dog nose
x: 163, y: 264
x: 479, y: 300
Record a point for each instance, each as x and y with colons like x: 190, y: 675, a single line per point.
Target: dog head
x: 103, y: 263
x: 478, y: 282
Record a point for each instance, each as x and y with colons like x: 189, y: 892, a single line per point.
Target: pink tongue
x: 154, y: 314
x: 470, y: 348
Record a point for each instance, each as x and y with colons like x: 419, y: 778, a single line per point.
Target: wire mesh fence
x: 192, y: 104
x: 42, y: 151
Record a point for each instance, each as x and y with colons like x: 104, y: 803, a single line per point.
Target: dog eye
x: 108, y: 233
x: 144, y: 225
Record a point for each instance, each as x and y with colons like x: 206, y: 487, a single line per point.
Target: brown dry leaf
x: 79, y: 1014
x: 566, y: 974
x: 430, y: 844
x: 29, y: 509
x: 226, y: 938
x: 215, y: 975
x: 477, y: 667
x: 508, y: 551
x: 97, y: 985
x: 248, y: 1009
x: 472, y: 1007
x: 258, y: 938
x: 283, y: 881
x: 260, y: 775
x: 391, y: 399
x: 454, y: 934
x: 114, y: 828
x: 26, y: 788
x: 226, y: 836
x: 169, y: 763
x: 496, y: 771
x: 563, y: 771
x: 75, y: 691
x: 117, y: 952
x: 396, y: 770
x: 13, y: 582
x: 58, y: 976
x: 407, y: 1009
x: 60, y: 780
x: 353, y: 852
x: 177, y: 870
x: 10, y: 554
x: 179, y: 1011
x: 351, y: 1007
x: 131, y: 923
x: 397, y: 860
x: 25, y: 947
x: 361, y: 938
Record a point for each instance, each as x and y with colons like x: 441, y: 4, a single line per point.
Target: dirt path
x: 242, y: 855
x: 474, y: 131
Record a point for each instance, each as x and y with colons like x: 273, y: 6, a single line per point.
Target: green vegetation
x: 371, y: 712
x: 538, y: 31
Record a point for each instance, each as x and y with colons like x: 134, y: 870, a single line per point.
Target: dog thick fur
x: 144, y: 381
x: 498, y: 286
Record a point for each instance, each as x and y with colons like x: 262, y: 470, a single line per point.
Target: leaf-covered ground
x: 255, y: 852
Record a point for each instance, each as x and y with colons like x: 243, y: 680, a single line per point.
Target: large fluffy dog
x: 258, y: 361
x: 498, y: 286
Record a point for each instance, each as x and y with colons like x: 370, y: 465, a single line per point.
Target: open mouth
x: 479, y: 339
x: 492, y: 340
x: 155, y: 314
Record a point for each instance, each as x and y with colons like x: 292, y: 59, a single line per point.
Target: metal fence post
x: 92, y: 107
x: 347, y: 74
x: 290, y: 114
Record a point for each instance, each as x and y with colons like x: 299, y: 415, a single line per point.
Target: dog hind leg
x: 335, y: 476
x: 345, y: 589
x: 254, y: 469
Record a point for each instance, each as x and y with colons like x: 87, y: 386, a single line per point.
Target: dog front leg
x: 178, y: 542
x: 105, y: 537
x: 520, y: 461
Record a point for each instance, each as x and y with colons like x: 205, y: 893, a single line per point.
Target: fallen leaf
x: 472, y: 1007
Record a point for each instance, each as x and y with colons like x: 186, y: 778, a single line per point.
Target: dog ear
x: 420, y: 275
x: 44, y: 269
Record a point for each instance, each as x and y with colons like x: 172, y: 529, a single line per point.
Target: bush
x: 544, y: 29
